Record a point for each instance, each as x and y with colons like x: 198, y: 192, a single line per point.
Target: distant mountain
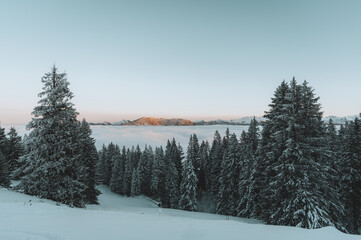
x: 247, y: 120
x: 145, y: 121
x: 150, y: 121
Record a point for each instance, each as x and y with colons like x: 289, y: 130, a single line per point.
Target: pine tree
x: 193, y: 155
x: 248, y: 155
x: 4, y: 173
x: 205, y: 168
x: 15, y: 149
x: 135, y: 188
x: 115, y: 183
x: 188, y: 188
x: 52, y: 163
x: 179, y: 161
x: 101, y: 166
x: 137, y: 156
x: 3, y: 143
x: 295, y: 162
x: 216, y: 156
x: 258, y: 207
x: 88, y: 160
x: 143, y: 172
x: 171, y: 178
x: 23, y: 160
x: 108, y: 163
x: 128, y: 171
x: 350, y: 168
x: 177, y: 156
x: 227, y: 199
x: 158, y: 170
x: 332, y: 154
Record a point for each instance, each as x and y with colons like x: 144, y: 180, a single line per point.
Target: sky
x: 188, y: 59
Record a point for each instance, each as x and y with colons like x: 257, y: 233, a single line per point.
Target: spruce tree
x: 205, y: 168
x: 88, y: 160
x: 179, y: 161
x: 101, y: 167
x: 171, y: 178
x: 52, y: 164
x: 216, y: 156
x: 257, y: 205
x: 108, y: 163
x: 194, y: 155
x: 4, y: 173
x: 350, y: 172
x: 128, y: 171
x: 157, y: 180
x: 15, y: 149
x: 143, y: 172
x: 177, y: 156
x: 248, y: 155
x: 135, y: 188
x: 295, y: 162
x: 188, y: 188
x: 3, y: 143
x: 115, y: 183
x: 332, y: 155
x: 227, y: 199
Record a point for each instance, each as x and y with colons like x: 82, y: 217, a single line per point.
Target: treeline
x: 11, y: 149
x: 297, y: 171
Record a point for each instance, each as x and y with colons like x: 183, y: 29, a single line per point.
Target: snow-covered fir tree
x: 227, y: 199
x: 144, y: 170
x: 52, y: 164
x: 179, y: 160
x: 3, y: 143
x: 157, y: 180
x: 332, y: 164
x: 177, y: 156
x: 15, y: 149
x: 216, y: 156
x: 88, y: 160
x: 297, y: 180
x: 205, y: 168
x: 350, y: 172
x: 188, y: 188
x: 4, y: 173
x: 193, y: 153
x: 171, y: 178
x: 116, y: 179
x: 101, y: 166
x: 247, y: 188
x: 135, y: 188
x: 108, y: 163
x: 128, y: 171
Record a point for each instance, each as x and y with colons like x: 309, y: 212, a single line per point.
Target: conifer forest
x: 293, y: 169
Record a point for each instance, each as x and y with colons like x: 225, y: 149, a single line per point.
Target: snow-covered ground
x: 150, y: 135
x: 24, y: 217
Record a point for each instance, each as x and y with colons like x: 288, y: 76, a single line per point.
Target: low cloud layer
x: 149, y: 135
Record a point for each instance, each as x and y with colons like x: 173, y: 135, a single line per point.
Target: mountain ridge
x: 151, y: 121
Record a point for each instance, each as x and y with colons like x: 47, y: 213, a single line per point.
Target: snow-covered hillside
x: 24, y: 217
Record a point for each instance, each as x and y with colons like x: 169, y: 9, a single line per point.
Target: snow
x: 24, y: 217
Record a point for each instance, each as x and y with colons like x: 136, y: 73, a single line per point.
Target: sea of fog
x: 149, y: 135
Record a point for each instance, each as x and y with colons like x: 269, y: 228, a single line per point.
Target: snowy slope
x: 125, y: 218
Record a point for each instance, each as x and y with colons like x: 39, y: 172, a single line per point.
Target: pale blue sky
x: 191, y: 59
